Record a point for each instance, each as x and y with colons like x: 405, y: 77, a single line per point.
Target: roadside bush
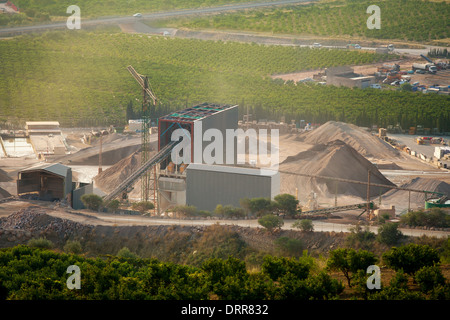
x: 286, y: 203
x: 143, y: 206
x: 92, y: 201
x: 229, y: 211
x: 271, y: 222
x: 304, y: 225
x: 185, y: 210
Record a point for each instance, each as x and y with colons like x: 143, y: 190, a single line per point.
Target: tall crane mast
x: 145, y: 147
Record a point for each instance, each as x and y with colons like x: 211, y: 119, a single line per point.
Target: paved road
x: 156, y: 15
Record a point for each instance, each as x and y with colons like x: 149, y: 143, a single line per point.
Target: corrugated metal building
x: 50, y: 181
x: 210, y: 185
x: 198, y: 119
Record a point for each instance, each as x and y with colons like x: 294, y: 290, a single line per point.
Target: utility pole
x: 368, y: 191
x: 100, y: 154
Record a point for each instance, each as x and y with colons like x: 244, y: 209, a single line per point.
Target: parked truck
x: 429, y: 67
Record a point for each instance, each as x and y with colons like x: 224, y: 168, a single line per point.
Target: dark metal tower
x: 145, y: 134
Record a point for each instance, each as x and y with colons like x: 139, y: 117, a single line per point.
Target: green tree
x: 304, y: 225
x: 429, y: 278
x: 92, y: 201
x: 261, y: 206
x: 349, y: 261
x: 410, y: 258
x: 278, y: 267
x: 389, y: 234
x: 271, y: 222
x: 286, y: 203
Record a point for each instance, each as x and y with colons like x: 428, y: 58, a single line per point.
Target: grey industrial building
x: 345, y: 76
x: 210, y: 185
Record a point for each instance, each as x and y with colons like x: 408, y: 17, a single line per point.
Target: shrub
x: 40, y: 243
x: 143, y: 206
x: 410, y: 258
x: 286, y: 203
x: 289, y: 246
x: 429, y: 277
x: 73, y: 247
x: 389, y: 234
x: 113, y: 205
x: 92, y: 201
x: 271, y: 222
x: 126, y: 253
x: 304, y: 225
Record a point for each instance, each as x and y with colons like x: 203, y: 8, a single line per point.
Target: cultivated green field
x: 80, y: 79
x: 412, y: 20
x: 33, y: 11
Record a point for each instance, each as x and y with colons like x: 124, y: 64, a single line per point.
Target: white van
x: 375, y: 86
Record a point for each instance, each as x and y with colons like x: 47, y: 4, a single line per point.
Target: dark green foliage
x: 429, y: 278
x: 349, y: 261
x: 271, y: 222
x: 289, y: 246
x: 435, y: 217
x: 344, y: 18
x: 286, y: 203
x: 360, y: 239
x: 410, y: 258
x: 92, y: 201
x: 389, y: 234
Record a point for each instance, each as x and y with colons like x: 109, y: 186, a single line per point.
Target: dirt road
x: 93, y: 218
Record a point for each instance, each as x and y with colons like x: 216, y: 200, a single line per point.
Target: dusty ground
x: 442, y: 77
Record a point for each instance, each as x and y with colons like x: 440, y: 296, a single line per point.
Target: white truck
x: 430, y: 67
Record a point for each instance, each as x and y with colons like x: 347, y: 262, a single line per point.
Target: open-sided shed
x: 50, y: 181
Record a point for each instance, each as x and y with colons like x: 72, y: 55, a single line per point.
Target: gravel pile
x: 35, y: 219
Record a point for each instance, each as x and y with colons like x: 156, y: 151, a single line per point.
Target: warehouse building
x: 345, y: 76
x: 210, y: 185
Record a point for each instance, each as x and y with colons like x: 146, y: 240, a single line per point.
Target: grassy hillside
x: 412, y: 20
x: 80, y: 79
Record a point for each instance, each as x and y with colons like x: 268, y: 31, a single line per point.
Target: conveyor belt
x: 157, y: 158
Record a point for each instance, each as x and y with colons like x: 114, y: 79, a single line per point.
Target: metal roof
x: 197, y: 112
x: 55, y: 168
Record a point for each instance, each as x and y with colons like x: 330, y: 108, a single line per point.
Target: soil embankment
x: 175, y: 243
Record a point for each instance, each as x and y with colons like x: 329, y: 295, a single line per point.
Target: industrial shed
x: 210, y: 185
x: 50, y: 181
